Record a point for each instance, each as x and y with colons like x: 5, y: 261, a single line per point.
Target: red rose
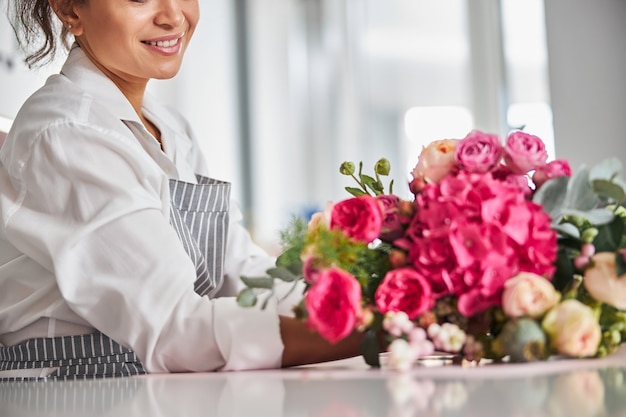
x: 405, y: 290
x: 360, y: 218
x: 333, y: 304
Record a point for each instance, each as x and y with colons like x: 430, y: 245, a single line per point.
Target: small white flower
x: 397, y: 323
x: 447, y: 337
x: 401, y: 355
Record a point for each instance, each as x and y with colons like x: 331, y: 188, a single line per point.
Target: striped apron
x: 199, y: 214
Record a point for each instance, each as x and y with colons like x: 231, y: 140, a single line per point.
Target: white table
x: 567, y: 388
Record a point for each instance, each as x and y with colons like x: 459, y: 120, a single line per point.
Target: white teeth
x: 165, y: 44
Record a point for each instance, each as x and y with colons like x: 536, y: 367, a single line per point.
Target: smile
x: 164, y: 43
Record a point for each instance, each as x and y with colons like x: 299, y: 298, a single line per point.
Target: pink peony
x: 528, y: 294
x: 393, y: 226
x: 553, y: 169
x: 524, y: 152
x: 360, y: 218
x: 436, y: 161
x: 573, y: 329
x: 404, y: 290
x: 333, y: 304
x: 478, y: 152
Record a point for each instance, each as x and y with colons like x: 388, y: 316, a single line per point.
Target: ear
x: 65, y: 11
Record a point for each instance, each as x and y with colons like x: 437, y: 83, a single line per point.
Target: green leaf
x: 282, y: 274
x: 609, y: 189
x: 290, y: 257
x: 259, y: 282
x: 564, y: 270
x: 370, y: 349
x: 357, y: 192
x: 609, y: 236
x: 597, y: 216
x: 372, y: 183
x: 246, y: 298
x: 620, y: 264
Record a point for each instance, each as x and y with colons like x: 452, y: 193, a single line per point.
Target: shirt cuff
x: 248, y: 337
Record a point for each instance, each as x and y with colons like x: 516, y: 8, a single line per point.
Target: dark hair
x: 32, y: 18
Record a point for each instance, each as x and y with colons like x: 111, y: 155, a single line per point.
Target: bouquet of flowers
x: 499, y: 254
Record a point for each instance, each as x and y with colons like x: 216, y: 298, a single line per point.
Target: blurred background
x: 281, y: 92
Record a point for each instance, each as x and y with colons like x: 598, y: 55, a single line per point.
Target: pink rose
x: 393, y: 226
x: 573, y: 329
x: 553, y: 169
x: 404, y: 290
x: 478, y: 152
x: 524, y: 152
x: 333, y: 304
x: 528, y: 294
x: 360, y: 218
x: 436, y: 161
x: 602, y: 282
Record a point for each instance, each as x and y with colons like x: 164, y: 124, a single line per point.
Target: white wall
x: 587, y: 60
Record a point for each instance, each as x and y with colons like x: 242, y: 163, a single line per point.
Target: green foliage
x: 368, y: 185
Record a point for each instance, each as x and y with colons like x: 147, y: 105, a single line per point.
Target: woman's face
x: 135, y: 40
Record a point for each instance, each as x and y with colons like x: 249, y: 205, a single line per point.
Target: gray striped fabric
x: 199, y: 214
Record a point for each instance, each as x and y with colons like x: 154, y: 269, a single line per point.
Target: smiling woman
x: 119, y: 255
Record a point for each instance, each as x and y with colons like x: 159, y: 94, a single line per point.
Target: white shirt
x: 85, y: 239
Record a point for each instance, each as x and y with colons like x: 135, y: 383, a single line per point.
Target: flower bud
x: 382, y: 167
x: 347, y: 168
x: 589, y: 234
x: 522, y: 340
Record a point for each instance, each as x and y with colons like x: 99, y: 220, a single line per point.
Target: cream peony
x: 528, y: 294
x: 436, y: 160
x: 573, y: 329
x: 602, y: 282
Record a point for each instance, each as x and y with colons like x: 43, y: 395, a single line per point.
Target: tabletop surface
x: 562, y: 387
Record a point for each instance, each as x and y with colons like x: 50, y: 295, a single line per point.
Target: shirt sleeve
x: 91, y: 207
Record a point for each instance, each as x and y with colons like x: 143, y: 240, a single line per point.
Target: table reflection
x: 596, y: 392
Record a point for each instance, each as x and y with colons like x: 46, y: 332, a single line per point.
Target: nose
x: 169, y: 13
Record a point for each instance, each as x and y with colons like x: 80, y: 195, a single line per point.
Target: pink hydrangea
x: 473, y: 232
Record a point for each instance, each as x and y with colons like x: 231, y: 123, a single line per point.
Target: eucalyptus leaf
x: 567, y: 229
x: 281, y: 273
x: 608, y: 169
x: 580, y: 193
x: 259, y: 282
x: 551, y: 195
x: 246, y: 298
